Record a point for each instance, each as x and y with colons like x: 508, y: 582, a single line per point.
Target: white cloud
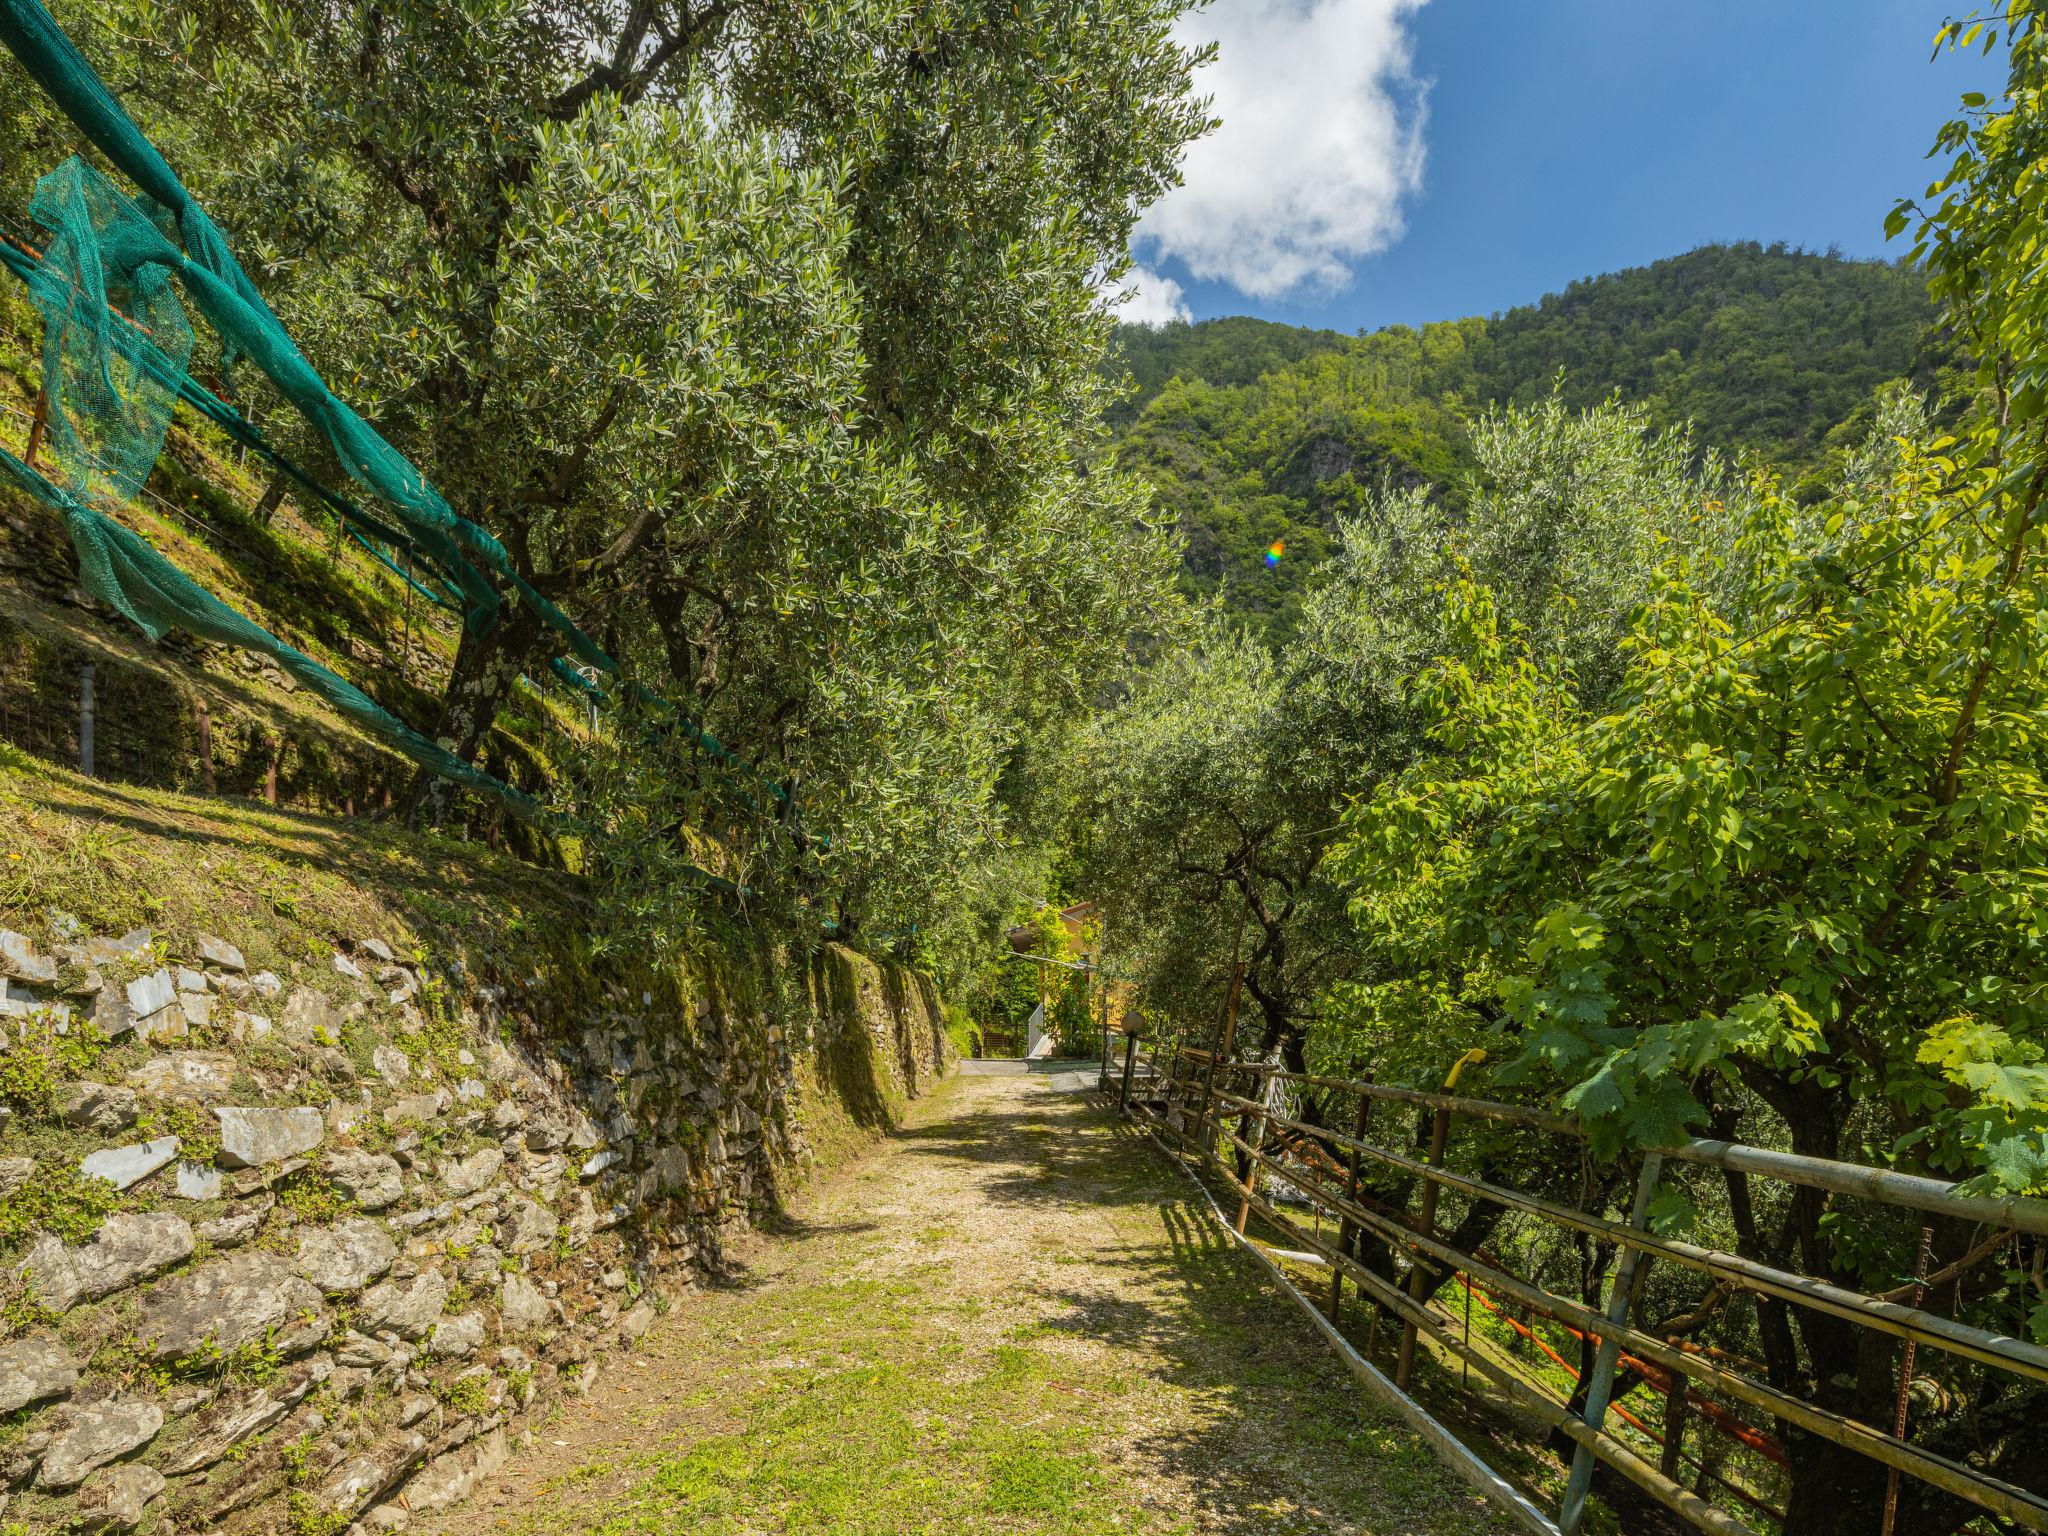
x: 1321, y: 139
x: 1145, y: 297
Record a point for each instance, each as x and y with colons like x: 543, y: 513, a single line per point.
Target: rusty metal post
x: 1123, y: 1103
x: 1425, y: 1223
x: 1571, y: 1513
x: 1891, y: 1480
x: 38, y: 424
x: 1346, y: 1232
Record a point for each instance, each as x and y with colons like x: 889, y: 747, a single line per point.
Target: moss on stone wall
x: 878, y: 1040
x: 399, y: 1154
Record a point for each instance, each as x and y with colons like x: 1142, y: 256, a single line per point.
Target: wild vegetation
x: 1636, y: 696
x: 766, y: 342
x: 1695, y: 795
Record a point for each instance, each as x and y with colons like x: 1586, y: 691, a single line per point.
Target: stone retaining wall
x: 294, y: 1249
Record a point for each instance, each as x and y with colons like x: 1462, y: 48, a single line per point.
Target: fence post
x: 199, y: 707
x: 1439, y: 1135
x: 85, y: 719
x: 1360, y: 1124
x: 1891, y: 1481
x: 1572, y: 1512
x: 1130, y: 1065
x: 1677, y: 1406
x: 1205, y: 1138
x: 1251, y: 1172
x: 38, y: 424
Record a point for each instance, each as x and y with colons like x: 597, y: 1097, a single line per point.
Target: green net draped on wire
x: 216, y: 283
x: 117, y: 346
x: 156, y: 595
x: 116, y: 375
x: 247, y: 328
x: 371, y: 532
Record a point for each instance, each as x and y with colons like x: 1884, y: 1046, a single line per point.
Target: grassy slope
x: 317, y: 591
x: 281, y: 884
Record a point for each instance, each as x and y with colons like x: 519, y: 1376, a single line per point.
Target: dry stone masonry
x: 298, y: 1249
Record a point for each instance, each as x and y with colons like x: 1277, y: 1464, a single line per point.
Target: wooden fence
x: 1231, y: 1119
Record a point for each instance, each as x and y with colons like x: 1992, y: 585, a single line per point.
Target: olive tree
x: 1217, y: 786
x: 660, y: 292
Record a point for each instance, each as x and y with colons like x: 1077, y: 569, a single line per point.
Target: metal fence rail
x: 1227, y: 1117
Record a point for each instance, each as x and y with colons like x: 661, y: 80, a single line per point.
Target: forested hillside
x: 1758, y: 348
x: 1253, y: 433
x: 1236, y: 349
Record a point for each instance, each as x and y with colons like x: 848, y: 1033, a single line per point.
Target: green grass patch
x: 897, y: 1430
x: 57, y: 1199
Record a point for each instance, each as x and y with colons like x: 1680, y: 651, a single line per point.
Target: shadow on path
x: 1013, y: 1318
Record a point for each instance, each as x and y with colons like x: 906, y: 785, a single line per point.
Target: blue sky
x: 1461, y: 156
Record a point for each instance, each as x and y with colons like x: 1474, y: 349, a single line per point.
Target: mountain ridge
x: 1253, y: 432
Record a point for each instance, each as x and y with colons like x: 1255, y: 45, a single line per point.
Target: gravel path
x: 1010, y: 1317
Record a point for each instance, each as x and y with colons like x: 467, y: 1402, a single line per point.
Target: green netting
x: 216, y: 283
x: 116, y: 354
x: 116, y: 377
x: 147, y: 335
x: 157, y: 595
x: 115, y: 347
x: 373, y: 533
x: 148, y: 343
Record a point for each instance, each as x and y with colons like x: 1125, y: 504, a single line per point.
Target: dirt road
x: 1011, y: 1317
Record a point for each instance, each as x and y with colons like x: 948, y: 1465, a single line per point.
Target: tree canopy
x: 1682, y: 779
x: 765, y: 341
